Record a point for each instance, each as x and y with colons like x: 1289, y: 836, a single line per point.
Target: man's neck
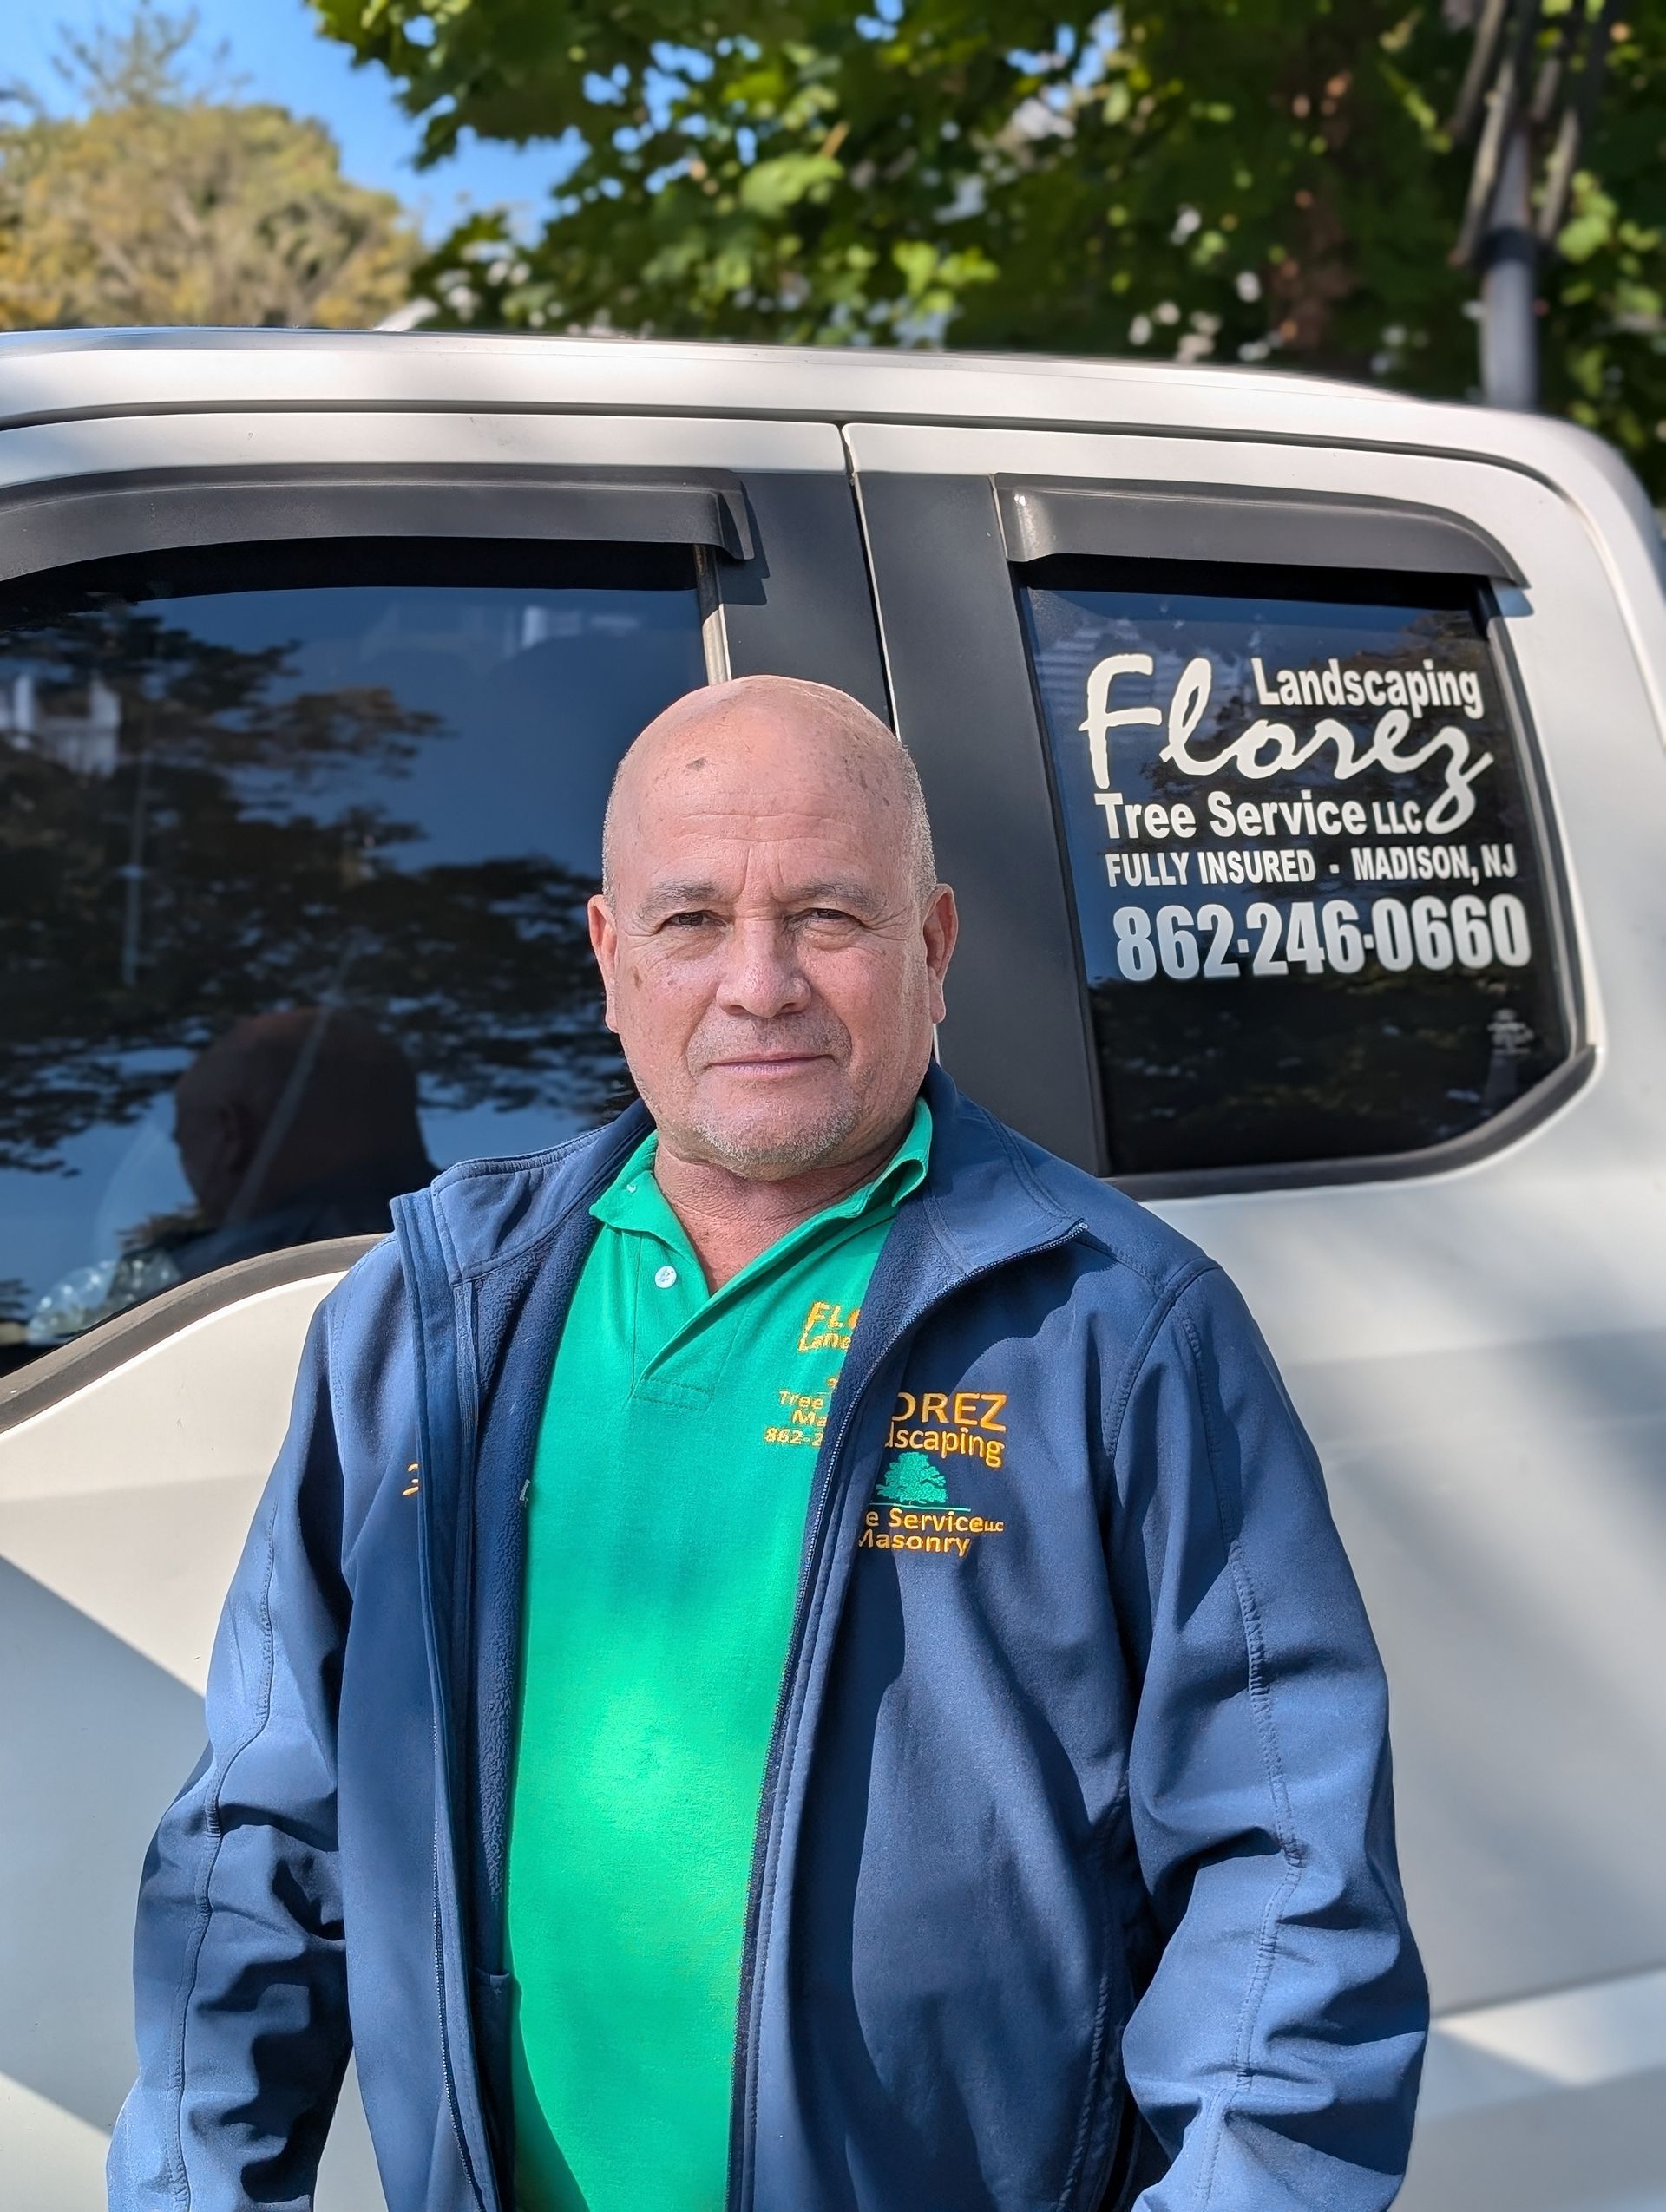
x: 730, y: 1219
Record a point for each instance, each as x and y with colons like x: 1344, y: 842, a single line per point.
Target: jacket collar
x: 983, y: 1195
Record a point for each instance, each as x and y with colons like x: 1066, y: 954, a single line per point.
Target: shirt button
x: 665, y: 1277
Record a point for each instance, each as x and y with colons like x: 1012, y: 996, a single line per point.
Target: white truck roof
x: 54, y: 376
x: 62, y: 375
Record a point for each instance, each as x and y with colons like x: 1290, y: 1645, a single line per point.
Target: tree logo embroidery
x: 911, y: 1480
x: 909, y: 1511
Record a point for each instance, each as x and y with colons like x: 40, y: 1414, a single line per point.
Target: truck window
x: 1308, y: 874
x: 298, y: 841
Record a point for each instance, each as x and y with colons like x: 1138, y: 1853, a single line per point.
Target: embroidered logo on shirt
x: 951, y: 1530
x: 828, y: 1327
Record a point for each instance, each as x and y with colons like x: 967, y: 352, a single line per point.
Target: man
x: 795, y: 1656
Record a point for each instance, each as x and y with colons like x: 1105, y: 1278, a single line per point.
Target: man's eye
x: 695, y: 917
x: 829, y: 914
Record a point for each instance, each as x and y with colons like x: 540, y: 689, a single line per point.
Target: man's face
x: 770, y: 970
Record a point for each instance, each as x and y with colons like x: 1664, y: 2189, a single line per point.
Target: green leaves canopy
x: 1225, y: 180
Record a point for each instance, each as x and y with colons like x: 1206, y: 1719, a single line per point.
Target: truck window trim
x: 57, y: 522
x: 1511, y: 1122
x: 1017, y: 1036
x: 942, y: 571
x: 782, y: 587
x: 784, y: 583
x: 1042, y: 517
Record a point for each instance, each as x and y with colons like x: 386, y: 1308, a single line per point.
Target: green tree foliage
x: 156, y: 202
x: 1225, y: 180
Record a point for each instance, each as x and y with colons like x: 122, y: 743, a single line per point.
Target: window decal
x: 1312, y: 911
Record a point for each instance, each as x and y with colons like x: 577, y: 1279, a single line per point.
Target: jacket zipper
x: 808, y: 1564
x: 779, y: 1750
x: 414, y: 1231
x: 445, y: 2051
x: 410, y: 1241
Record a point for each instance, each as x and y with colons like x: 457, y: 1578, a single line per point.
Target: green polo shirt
x: 666, y: 1520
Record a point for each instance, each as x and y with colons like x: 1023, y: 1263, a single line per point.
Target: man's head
x: 770, y: 931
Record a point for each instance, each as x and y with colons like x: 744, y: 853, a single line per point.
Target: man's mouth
x: 769, y: 1060
x: 766, y: 1064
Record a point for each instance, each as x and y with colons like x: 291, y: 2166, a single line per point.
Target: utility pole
x: 1528, y: 99
x: 1509, y: 262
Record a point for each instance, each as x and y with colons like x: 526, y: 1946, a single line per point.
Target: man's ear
x: 604, y: 943
x: 942, y: 928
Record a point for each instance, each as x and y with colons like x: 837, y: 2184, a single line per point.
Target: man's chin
x: 768, y: 1148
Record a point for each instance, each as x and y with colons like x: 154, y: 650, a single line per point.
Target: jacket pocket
x: 1137, y: 2159
x: 1121, y: 2155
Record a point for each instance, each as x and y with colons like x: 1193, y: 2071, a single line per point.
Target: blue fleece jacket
x: 1075, y: 1882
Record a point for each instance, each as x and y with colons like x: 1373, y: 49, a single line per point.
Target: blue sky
x: 273, y: 45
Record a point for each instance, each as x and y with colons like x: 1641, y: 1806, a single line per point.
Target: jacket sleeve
x: 1276, y: 2048
x: 238, y: 1968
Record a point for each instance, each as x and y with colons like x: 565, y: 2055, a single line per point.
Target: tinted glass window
x: 1312, y: 909
x: 296, y: 842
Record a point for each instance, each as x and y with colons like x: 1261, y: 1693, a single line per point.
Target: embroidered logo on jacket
x: 965, y: 1424
x: 910, y: 1509
x: 912, y: 1480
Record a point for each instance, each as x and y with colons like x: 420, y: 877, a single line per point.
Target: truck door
x: 1306, y: 805
x: 307, y: 724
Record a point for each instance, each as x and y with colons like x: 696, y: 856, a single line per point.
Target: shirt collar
x: 634, y: 1200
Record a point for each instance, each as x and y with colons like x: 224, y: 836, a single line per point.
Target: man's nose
x: 762, y: 974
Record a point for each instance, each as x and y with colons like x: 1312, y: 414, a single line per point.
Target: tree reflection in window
x: 196, y: 836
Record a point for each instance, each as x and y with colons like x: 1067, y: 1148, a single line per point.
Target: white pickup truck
x: 1297, y: 752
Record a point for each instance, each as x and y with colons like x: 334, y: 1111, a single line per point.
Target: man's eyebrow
x: 836, y: 891
x: 668, y: 898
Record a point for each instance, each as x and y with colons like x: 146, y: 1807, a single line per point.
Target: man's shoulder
x: 1124, y: 1237
x: 1129, y: 1282
x: 1128, y: 1234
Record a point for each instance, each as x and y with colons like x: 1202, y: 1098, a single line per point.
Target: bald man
x: 795, y: 1656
